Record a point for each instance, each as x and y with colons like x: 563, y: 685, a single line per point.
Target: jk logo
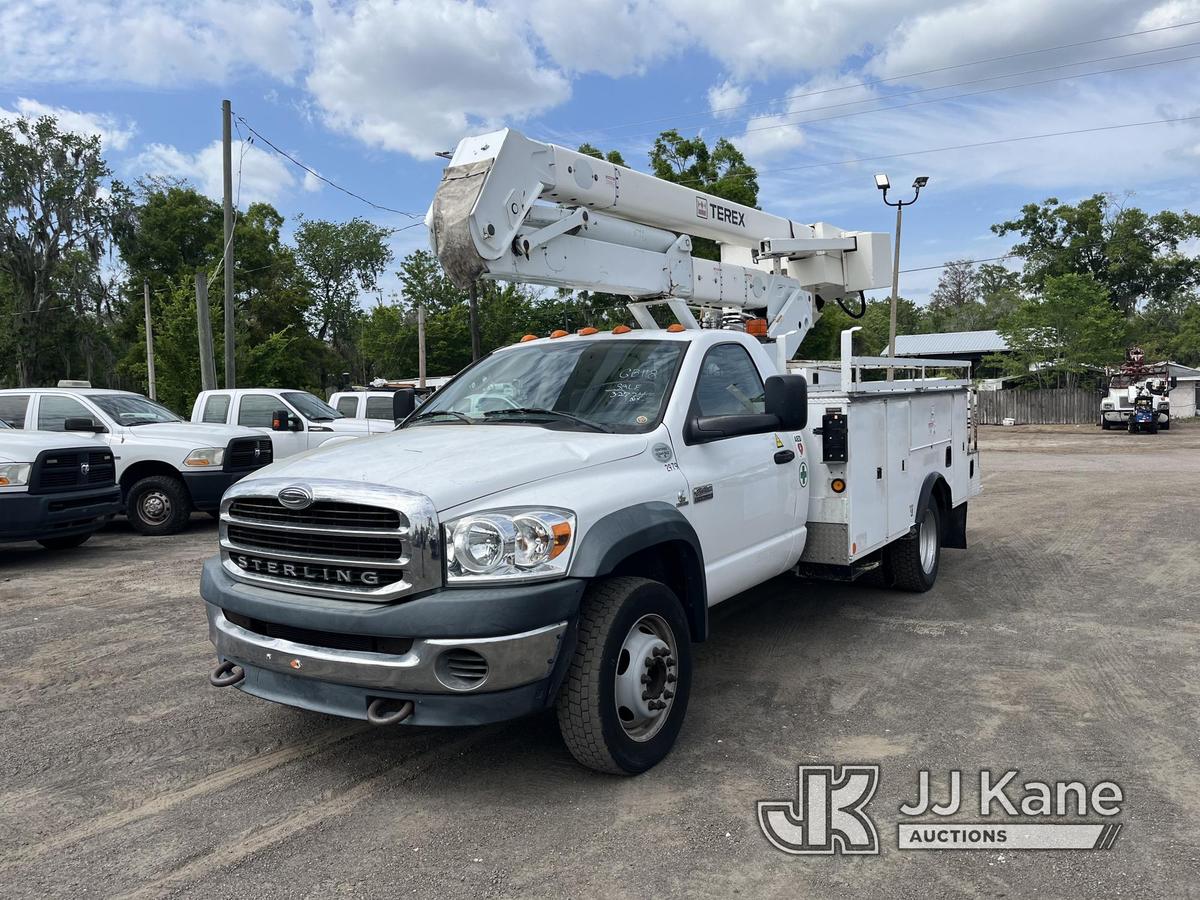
x: 827, y: 815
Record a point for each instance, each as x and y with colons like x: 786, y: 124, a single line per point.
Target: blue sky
x: 365, y: 92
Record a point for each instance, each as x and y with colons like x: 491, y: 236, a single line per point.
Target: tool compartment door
x: 902, y: 497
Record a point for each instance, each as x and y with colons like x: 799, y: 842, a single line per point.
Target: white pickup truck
x: 295, y: 420
x: 551, y: 528
x: 165, y: 466
x: 56, y: 489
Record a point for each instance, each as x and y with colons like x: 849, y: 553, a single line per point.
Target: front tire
x: 913, y: 561
x: 626, y: 691
x: 158, y: 505
x: 64, y: 543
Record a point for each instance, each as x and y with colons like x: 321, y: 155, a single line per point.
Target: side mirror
x: 404, y: 401
x: 704, y: 429
x: 1174, y: 382
x: 787, y: 398
x: 83, y: 424
x: 281, y: 421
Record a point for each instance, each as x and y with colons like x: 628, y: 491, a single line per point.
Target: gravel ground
x: 1064, y: 643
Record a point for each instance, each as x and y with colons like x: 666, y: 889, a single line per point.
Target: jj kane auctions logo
x: 829, y: 814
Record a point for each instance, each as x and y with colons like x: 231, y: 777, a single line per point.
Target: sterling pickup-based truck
x: 550, y: 529
x: 54, y: 489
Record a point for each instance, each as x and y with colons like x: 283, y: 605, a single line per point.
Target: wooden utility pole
x: 420, y: 345
x: 149, y: 341
x: 227, y: 162
x: 208, y: 371
x: 476, y: 350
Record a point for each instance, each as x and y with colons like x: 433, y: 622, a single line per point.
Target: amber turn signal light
x: 838, y: 485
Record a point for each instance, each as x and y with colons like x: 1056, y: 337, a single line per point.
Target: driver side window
x: 729, y: 383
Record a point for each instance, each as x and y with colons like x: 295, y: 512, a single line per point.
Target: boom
x: 514, y: 209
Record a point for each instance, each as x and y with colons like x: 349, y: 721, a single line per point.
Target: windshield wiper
x: 445, y: 412
x: 553, y: 413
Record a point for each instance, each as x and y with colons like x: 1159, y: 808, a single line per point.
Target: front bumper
x: 207, y: 487
x: 525, y: 633
x: 31, y: 517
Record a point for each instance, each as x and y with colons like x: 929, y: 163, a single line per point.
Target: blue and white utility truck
x: 551, y: 528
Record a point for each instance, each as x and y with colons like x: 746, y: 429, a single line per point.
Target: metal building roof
x: 948, y: 343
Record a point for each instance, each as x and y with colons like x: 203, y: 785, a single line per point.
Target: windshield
x: 310, y: 407
x: 586, y: 385
x: 130, y: 409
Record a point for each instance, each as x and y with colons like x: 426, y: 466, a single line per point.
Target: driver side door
x: 256, y: 411
x: 744, y: 489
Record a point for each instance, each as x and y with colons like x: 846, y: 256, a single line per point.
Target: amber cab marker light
x: 529, y: 337
x: 676, y: 328
x: 558, y: 334
x: 586, y: 331
x: 838, y: 485
x: 622, y: 329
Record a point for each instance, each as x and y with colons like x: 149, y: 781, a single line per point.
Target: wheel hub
x: 155, y: 507
x: 928, y: 543
x: 647, y: 671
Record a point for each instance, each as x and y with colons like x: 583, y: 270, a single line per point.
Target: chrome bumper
x: 513, y: 660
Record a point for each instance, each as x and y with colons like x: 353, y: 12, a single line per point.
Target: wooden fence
x: 1051, y: 406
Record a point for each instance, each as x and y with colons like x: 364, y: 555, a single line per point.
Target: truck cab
x: 56, y: 489
x: 166, y: 467
x: 489, y: 559
x: 294, y: 420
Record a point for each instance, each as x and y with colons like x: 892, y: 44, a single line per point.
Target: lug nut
x: 645, y: 695
x: 671, y: 679
x: 649, y: 662
x: 668, y: 694
x: 670, y: 660
x: 645, y: 679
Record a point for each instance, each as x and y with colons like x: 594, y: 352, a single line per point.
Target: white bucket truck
x: 551, y: 528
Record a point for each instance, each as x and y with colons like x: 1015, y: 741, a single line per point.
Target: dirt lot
x: 1065, y: 643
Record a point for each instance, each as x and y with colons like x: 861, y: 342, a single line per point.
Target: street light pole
x: 881, y: 182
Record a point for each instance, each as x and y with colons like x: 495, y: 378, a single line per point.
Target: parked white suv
x: 295, y: 420
x: 165, y: 466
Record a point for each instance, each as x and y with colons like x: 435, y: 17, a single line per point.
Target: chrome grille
x: 354, y: 541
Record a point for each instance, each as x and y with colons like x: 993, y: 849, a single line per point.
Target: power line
x: 318, y: 175
x: 973, y: 262
x: 870, y: 83
x: 1013, y: 140
x: 993, y: 90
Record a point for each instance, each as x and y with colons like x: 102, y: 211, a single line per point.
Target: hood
x: 186, y: 433
x: 24, y: 446
x: 453, y: 464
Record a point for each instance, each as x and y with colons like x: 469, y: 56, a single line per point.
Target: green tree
x: 1135, y: 255
x: 612, y: 156
x: 340, y: 261
x: 59, y: 203
x: 1067, y: 330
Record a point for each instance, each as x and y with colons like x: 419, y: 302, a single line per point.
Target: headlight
x: 206, y: 456
x: 13, y: 474
x: 510, y: 544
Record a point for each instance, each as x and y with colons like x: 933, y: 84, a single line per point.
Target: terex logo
x: 718, y: 213
x: 827, y: 815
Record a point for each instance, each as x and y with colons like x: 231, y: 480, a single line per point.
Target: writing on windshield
x: 617, y: 385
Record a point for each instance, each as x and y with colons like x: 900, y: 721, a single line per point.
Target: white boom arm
x: 514, y: 209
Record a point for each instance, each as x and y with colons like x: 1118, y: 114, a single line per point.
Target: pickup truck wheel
x: 913, y: 561
x: 64, y: 543
x: 626, y: 692
x: 158, y: 505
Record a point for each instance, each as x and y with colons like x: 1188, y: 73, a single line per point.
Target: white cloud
x: 115, y: 133
x: 415, y: 76
x: 264, y: 176
x: 725, y: 98
x: 612, y: 37
x: 149, y: 42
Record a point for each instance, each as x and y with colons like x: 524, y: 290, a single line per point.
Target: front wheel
x: 913, y: 561
x: 626, y: 692
x: 158, y: 505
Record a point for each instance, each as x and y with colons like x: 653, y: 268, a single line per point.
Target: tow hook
x: 226, y: 674
x: 377, y: 712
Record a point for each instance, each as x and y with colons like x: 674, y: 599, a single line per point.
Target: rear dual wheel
x: 913, y: 561
x: 626, y: 691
